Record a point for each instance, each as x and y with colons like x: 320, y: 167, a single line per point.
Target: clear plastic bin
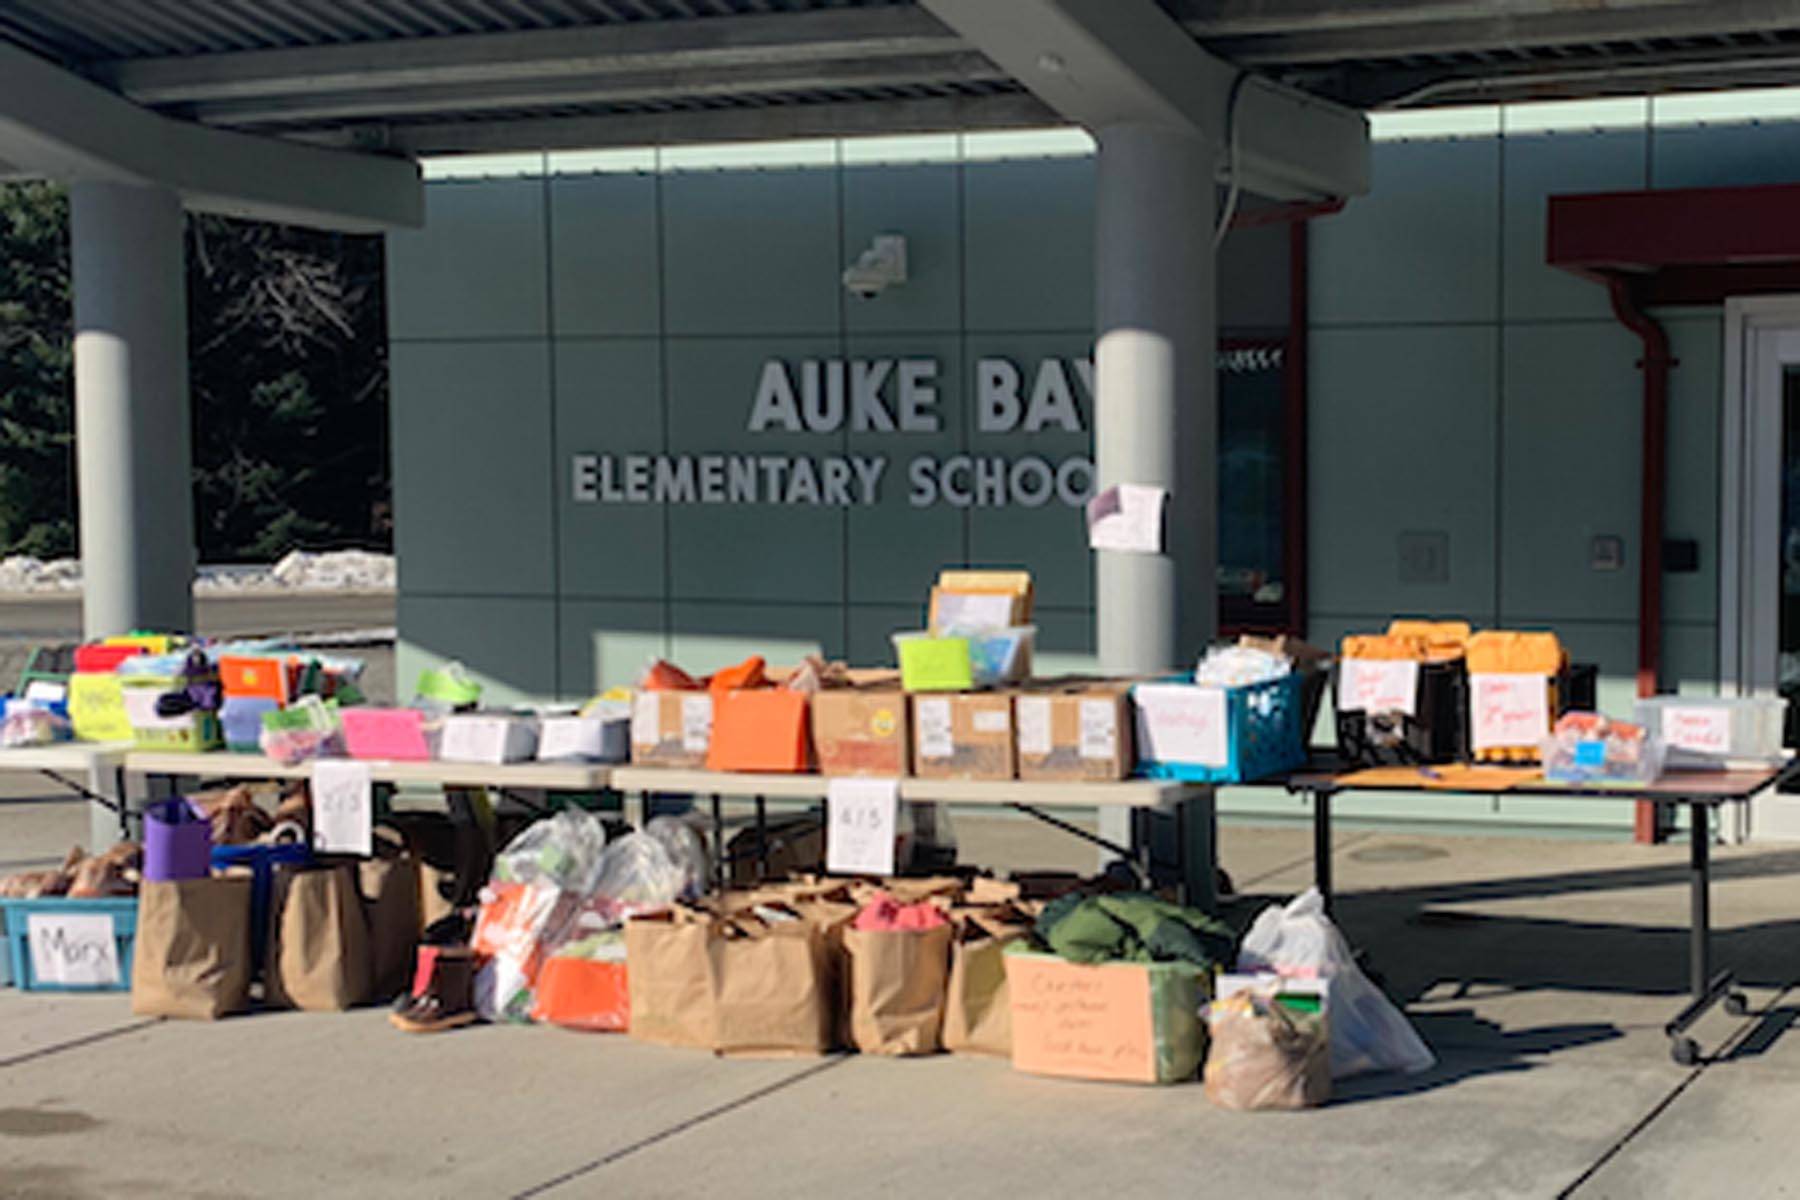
x: 1714, y: 730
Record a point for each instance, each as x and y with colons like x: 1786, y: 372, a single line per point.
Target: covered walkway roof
x: 446, y: 76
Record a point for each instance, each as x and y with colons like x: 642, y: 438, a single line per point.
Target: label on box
x: 343, y: 801
x: 1184, y: 724
x: 937, y: 735
x: 570, y: 737
x: 1034, y: 725
x: 991, y: 721
x: 474, y: 739
x: 1099, y: 729
x: 863, y: 824
x: 1701, y: 728
x: 1378, y: 685
x: 696, y: 723
x: 646, y: 719
x: 73, y: 949
x: 1508, y: 710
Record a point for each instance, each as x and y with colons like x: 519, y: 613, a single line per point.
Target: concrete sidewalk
x: 1540, y: 971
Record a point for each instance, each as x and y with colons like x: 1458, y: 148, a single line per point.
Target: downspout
x: 1655, y: 364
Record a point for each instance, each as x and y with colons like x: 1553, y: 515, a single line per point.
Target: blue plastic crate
x: 1264, y: 735
x: 13, y: 925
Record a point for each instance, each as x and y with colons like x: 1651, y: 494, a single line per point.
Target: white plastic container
x: 1711, y: 731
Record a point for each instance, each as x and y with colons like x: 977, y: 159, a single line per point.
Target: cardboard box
x: 601, y: 736
x: 759, y: 729
x: 1130, y: 1022
x: 1074, y: 730
x: 964, y: 736
x: 862, y: 730
x: 671, y: 729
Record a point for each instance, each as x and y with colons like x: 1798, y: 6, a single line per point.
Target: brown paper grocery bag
x: 668, y: 978
x: 390, y: 896
x: 897, y: 982
x: 192, y: 952
x: 318, y: 940
x: 977, y: 1006
x: 771, y: 988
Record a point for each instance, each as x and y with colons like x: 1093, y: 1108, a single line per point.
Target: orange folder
x: 760, y: 729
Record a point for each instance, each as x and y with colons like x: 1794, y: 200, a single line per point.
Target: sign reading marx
x: 897, y: 396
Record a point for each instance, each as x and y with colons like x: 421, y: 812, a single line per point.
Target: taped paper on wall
x: 1127, y: 517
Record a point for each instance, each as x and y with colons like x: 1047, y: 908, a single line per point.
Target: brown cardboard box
x: 963, y: 735
x: 1074, y: 730
x: 863, y: 730
x: 671, y: 729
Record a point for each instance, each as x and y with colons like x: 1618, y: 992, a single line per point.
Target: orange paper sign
x: 1089, y: 1022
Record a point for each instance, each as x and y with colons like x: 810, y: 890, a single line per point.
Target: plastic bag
x: 33, y: 727
x: 304, y: 730
x: 1367, y: 1032
x: 637, y: 874
x: 687, y: 850
x: 563, y: 851
x: 1263, y: 1053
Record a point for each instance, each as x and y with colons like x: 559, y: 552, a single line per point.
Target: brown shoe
x: 448, y: 1001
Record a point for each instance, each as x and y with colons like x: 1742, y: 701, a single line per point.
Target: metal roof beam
x: 760, y: 123
x: 487, y: 58
x: 1210, y: 19
x: 1523, y: 23
x: 623, y: 87
x: 57, y: 125
x: 1109, y: 62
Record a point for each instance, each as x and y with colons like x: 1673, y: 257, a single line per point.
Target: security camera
x: 875, y: 269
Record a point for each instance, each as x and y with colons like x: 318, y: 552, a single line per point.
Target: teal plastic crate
x: 1264, y: 736
x: 14, y: 916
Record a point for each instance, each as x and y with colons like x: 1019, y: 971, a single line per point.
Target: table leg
x: 1322, y: 845
x: 762, y: 839
x: 720, y: 872
x: 1705, y: 988
x: 1183, y: 893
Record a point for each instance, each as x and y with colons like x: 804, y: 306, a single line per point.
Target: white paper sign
x: 1182, y: 723
x: 1099, y: 729
x: 1034, y: 724
x: 474, y: 739
x: 991, y: 721
x: 571, y: 738
x: 1129, y: 517
x: 936, y: 735
x: 646, y: 719
x: 864, y: 818
x: 1378, y: 686
x: 1508, y: 710
x: 696, y: 723
x: 73, y: 949
x: 974, y: 610
x: 343, y: 800
x: 1701, y: 728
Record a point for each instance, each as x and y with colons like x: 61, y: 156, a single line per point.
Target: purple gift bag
x: 177, y: 841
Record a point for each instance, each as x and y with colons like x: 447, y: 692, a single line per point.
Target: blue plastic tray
x: 13, y: 924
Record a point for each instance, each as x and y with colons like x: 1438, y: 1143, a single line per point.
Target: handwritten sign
x: 646, y: 719
x: 1177, y: 722
x: 343, y: 800
x: 73, y: 949
x: 1700, y: 728
x: 1378, y: 686
x: 1508, y: 710
x: 1089, y: 1022
x: 936, y: 728
x: 1099, y: 729
x: 696, y: 723
x: 1034, y: 724
x: 864, y: 822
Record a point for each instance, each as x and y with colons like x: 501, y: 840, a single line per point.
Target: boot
x: 448, y: 999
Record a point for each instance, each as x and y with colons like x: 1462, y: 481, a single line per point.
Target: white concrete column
x: 1156, y: 422
x: 1156, y: 418
x: 133, y: 444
